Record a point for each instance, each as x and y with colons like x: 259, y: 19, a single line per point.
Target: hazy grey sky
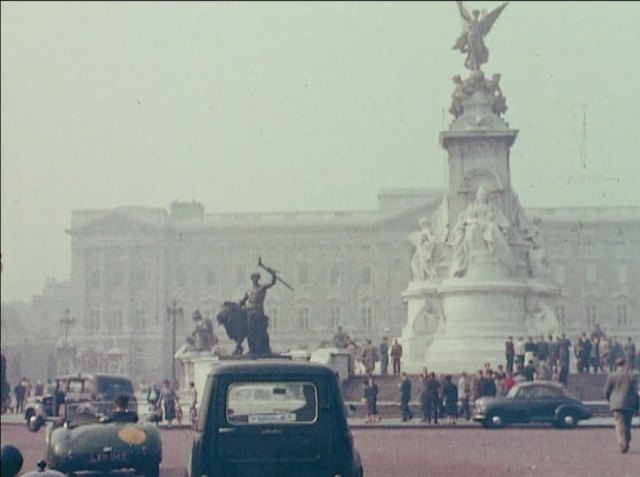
x: 292, y: 106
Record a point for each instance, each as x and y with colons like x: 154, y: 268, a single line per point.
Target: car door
x: 521, y: 405
x: 549, y: 399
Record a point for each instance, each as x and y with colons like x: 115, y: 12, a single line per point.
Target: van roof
x: 270, y: 367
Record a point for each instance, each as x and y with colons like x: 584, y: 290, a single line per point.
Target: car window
x: 89, y: 388
x: 255, y: 403
x: 548, y: 392
x: 111, y: 387
x: 525, y: 393
x: 75, y: 386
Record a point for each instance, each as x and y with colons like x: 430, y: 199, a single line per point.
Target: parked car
x: 273, y: 417
x: 81, y: 387
x: 87, y: 439
x: 37, y: 410
x: 536, y: 401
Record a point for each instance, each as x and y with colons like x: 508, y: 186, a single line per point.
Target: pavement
x: 357, y: 422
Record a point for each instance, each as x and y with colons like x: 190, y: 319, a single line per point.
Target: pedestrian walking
x: 367, y: 400
x: 193, y: 407
x: 450, y: 396
x: 168, y: 398
x: 405, y: 396
x: 621, y: 390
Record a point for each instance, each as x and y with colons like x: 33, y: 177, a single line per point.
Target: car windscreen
x: 111, y: 387
x: 257, y: 403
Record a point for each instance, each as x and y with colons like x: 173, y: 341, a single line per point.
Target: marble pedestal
x: 458, y: 325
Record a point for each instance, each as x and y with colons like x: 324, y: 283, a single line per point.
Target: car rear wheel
x: 567, y: 420
x: 34, y: 423
x: 495, y: 420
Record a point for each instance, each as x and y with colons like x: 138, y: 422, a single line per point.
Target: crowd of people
x: 365, y: 358
x: 165, y: 403
x: 440, y: 396
x: 24, y: 390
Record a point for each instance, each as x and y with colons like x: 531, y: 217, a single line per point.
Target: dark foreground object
x: 273, y: 418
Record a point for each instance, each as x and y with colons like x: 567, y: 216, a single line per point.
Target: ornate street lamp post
x: 173, y: 313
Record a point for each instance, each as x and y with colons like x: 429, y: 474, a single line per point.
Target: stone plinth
x: 458, y: 325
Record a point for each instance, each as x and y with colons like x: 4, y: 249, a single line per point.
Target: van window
x: 256, y: 403
x: 111, y: 387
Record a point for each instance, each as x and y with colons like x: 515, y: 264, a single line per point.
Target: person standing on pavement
x: 630, y: 354
x: 396, y: 356
x: 621, y: 390
x: 168, y: 398
x: 450, y: 396
x: 383, y: 351
x: 510, y: 353
x: 422, y: 395
x: 193, y: 407
x: 405, y: 396
x: 464, y: 394
x: 433, y: 398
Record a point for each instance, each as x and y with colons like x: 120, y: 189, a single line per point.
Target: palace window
x: 115, y: 275
x: 335, y: 317
x: 366, y: 275
x: 366, y: 315
x: 622, y: 314
x: 561, y: 315
x: 140, y: 275
x: 592, y: 316
x: 591, y: 273
x: 303, y: 274
x: 93, y: 321
x: 116, y: 318
x: 623, y: 274
x: 181, y: 276
x: 140, y: 320
x: 334, y: 276
x: 303, y: 318
x: 241, y: 275
x: 94, y: 278
x: 274, y: 318
x: 211, y: 276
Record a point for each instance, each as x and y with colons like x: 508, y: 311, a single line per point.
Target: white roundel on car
x: 132, y: 435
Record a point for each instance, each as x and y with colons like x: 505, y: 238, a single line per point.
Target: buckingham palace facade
x: 348, y: 269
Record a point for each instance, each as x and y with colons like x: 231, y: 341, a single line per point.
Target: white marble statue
x: 423, y: 260
x: 541, y: 319
x: 537, y: 259
x: 481, y: 229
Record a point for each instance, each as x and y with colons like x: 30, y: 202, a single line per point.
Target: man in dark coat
x: 405, y: 396
x: 433, y: 397
x: 621, y: 390
x: 383, y: 351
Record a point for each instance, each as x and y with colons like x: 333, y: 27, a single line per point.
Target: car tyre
x: 567, y: 420
x: 495, y: 420
x: 34, y: 423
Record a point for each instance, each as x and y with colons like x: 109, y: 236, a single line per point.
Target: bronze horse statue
x: 234, y: 319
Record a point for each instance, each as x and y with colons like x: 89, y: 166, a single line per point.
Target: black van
x: 273, y: 417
